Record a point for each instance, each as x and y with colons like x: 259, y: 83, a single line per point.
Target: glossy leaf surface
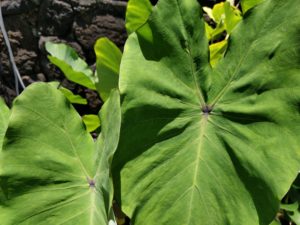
x: 73, y: 67
x: 203, y: 146
x: 51, y: 170
x: 108, y: 66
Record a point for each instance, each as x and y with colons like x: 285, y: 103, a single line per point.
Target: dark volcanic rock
x: 79, y: 23
x: 56, y: 18
x: 88, y: 30
x: 11, y: 7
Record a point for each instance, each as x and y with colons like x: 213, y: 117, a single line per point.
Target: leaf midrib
x: 194, y: 186
x: 192, y: 67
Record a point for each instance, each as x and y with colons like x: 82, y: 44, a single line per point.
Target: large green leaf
x: 73, y: 67
x: 51, y: 170
x: 108, y: 66
x: 137, y: 13
x: 4, y: 117
x: 207, y: 146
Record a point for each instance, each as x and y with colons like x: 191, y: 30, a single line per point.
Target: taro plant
x: 197, y: 144
x: 202, y: 145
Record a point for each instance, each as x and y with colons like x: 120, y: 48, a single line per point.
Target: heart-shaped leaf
x: 209, y: 146
x: 51, y: 170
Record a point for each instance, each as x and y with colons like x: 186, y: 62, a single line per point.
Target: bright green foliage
x: 137, y: 14
x: 291, y: 203
x: 108, y: 66
x: 209, y: 31
x: 275, y: 223
x: 92, y: 122
x: 248, y: 4
x: 207, y: 146
x: 295, y: 216
x: 4, y: 116
x: 51, y: 170
x: 74, y: 99
x: 232, y: 17
x: 218, y: 12
x: 73, y: 67
x: 226, y: 18
x: 217, y: 51
x: 292, y: 212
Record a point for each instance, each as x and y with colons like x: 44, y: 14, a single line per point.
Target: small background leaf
x: 248, y: 4
x: 73, y: 67
x: 108, y: 66
x: 74, y: 99
x: 218, y: 12
x: 217, y: 51
x: 137, y: 14
x: 232, y: 17
x: 92, y: 122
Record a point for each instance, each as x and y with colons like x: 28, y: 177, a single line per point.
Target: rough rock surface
x: 79, y: 23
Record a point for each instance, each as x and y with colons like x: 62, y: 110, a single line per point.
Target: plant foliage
x: 108, y: 66
x: 248, y: 4
x: 91, y: 121
x: 51, y: 170
x: 74, y: 68
x: 4, y: 116
x: 209, y: 146
x: 137, y: 14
